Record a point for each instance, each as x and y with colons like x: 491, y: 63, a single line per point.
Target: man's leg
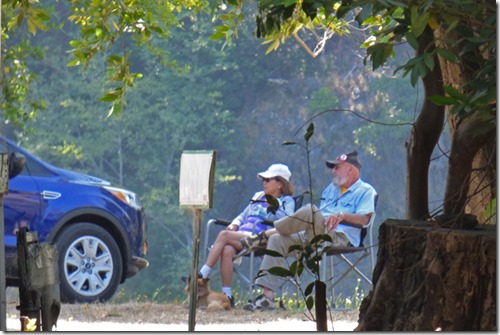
x: 339, y: 240
x: 307, y: 218
x: 278, y: 243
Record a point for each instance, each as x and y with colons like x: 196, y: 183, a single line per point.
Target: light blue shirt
x: 358, y: 199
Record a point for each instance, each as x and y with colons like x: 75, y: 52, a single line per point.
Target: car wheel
x: 90, y: 263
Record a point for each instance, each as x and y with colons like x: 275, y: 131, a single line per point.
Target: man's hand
x: 332, y: 221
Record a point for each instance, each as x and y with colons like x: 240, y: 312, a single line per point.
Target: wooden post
x: 193, y: 289
x: 196, y: 185
x: 320, y: 306
x: 29, y: 297
x: 44, y: 276
x: 4, y: 179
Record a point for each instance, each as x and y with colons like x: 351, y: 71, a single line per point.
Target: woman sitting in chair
x: 276, y: 182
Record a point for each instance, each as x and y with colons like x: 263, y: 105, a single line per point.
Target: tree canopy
x: 208, y: 86
x: 455, y: 57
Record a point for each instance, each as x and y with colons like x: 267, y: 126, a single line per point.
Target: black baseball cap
x: 351, y: 158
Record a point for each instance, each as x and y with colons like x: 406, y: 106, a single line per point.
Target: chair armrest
x: 222, y: 222
x: 268, y: 223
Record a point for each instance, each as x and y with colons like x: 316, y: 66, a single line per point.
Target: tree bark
x: 424, y: 136
x: 471, y: 180
x: 466, y: 143
x: 429, y: 279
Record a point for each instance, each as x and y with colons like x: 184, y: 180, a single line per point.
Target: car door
x: 21, y: 209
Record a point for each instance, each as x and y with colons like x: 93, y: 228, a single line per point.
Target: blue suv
x: 99, y: 229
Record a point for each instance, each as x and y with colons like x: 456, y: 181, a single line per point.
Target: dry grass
x: 146, y: 312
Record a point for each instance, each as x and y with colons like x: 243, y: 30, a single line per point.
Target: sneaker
x: 261, y: 303
x: 253, y: 241
x: 249, y: 306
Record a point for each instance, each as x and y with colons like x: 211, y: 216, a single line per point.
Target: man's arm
x: 348, y: 219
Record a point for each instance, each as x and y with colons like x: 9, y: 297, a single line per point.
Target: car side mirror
x: 16, y: 164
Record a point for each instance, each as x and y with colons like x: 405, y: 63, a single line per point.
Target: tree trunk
x: 471, y: 183
x: 424, y: 136
x: 429, y: 279
x: 466, y: 143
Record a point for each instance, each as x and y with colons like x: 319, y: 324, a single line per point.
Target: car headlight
x: 126, y: 196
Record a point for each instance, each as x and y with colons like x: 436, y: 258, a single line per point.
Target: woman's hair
x: 286, y: 186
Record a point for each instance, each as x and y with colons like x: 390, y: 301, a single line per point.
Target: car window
x: 34, y: 168
x: 31, y: 167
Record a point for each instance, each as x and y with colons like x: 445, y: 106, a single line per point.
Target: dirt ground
x: 176, y: 316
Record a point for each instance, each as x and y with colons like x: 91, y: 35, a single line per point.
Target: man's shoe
x: 261, y: 303
x: 253, y: 241
x: 249, y: 306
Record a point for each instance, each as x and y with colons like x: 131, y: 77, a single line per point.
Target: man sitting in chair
x: 346, y: 200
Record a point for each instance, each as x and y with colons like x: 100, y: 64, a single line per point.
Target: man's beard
x: 339, y: 181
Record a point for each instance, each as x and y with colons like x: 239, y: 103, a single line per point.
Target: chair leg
x: 251, y: 276
x: 352, y: 267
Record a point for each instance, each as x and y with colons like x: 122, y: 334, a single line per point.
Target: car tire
x: 90, y: 263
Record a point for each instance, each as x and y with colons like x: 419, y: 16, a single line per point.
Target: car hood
x: 81, y: 178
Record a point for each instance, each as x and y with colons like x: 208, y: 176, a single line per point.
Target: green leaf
x: 280, y: 272
x: 309, y: 132
x: 310, y: 302
x: 448, y: 55
x: 273, y: 204
x: 379, y: 53
x: 75, y: 43
x: 454, y: 93
x: 440, y: 100
x: 412, y: 40
x: 293, y: 267
x: 114, y: 59
x: 300, y: 269
x: 309, y: 289
x: 366, y: 12
x: 418, y: 21
x: 217, y: 36
x: 295, y: 247
x: 109, y: 97
x: 318, y: 238
x: 74, y: 62
x: 31, y: 27
x: 429, y: 61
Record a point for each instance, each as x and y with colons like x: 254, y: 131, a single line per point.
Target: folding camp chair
x: 251, y: 256
x: 358, y: 254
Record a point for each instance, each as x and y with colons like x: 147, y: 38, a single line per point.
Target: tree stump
x: 429, y: 278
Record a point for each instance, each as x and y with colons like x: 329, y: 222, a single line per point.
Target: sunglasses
x: 267, y: 180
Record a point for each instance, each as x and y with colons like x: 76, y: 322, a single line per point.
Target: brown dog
x: 206, y: 298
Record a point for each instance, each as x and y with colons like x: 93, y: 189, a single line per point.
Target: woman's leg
x: 226, y: 265
x: 225, y: 237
